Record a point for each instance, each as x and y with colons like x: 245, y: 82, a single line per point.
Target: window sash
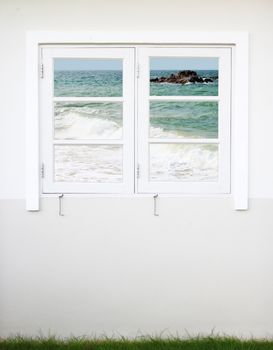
x: 223, y: 141
x: 47, y: 120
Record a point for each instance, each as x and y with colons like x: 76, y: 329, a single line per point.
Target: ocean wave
x: 88, y: 163
x: 74, y: 125
x: 183, y: 162
x: 157, y: 132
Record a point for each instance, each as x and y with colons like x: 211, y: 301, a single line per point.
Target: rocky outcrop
x: 182, y: 77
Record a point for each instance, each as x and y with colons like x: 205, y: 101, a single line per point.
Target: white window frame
x: 47, y: 99
x: 237, y: 40
x: 222, y: 185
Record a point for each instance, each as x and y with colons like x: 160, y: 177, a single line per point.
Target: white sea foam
x: 88, y: 163
x: 157, y: 132
x: 168, y: 162
x: 183, y: 162
x: 73, y: 125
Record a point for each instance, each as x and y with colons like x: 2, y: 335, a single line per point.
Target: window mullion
x: 184, y: 98
x: 183, y: 141
x: 88, y: 142
x: 88, y: 99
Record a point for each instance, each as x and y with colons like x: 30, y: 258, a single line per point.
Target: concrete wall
x: 109, y: 265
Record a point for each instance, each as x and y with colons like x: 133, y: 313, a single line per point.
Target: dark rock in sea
x: 182, y: 77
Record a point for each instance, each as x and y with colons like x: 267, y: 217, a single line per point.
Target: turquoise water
x: 168, y: 119
x: 184, y: 119
x: 85, y: 120
x: 177, y: 119
x: 88, y: 83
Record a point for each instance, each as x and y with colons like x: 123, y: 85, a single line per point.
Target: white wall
x: 108, y: 264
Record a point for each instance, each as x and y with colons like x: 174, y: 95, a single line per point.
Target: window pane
x: 183, y: 119
x: 87, y: 77
x: 88, y: 163
x: 183, y: 162
x: 88, y: 120
x: 183, y: 76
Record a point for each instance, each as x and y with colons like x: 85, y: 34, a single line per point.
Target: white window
x: 87, y: 120
x: 89, y: 139
x: 127, y: 118
x: 184, y: 121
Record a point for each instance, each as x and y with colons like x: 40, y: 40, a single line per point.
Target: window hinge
x: 41, y: 70
x: 137, y: 70
x: 42, y: 170
x: 138, y: 171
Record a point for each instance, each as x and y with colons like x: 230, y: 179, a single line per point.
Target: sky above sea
x: 156, y: 63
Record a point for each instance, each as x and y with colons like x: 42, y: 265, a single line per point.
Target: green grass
x: 196, y: 343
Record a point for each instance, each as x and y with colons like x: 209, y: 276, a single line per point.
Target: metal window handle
x: 60, y: 205
x: 155, y: 204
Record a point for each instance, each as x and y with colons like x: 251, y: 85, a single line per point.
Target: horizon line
x: 120, y: 70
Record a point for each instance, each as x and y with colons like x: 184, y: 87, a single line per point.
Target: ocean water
x: 83, y: 120
x: 84, y: 83
x: 178, y: 120
x: 88, y: 163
